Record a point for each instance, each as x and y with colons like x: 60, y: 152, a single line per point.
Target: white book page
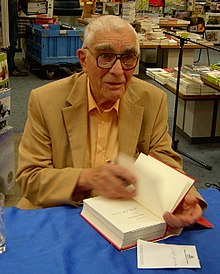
x: 159, y: 187
x: 126, y: 215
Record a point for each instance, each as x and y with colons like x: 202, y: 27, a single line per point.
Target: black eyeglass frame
x: 118, y: 57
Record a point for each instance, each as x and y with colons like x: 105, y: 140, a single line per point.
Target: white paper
x: 156, y: 255
x: 152, y: 172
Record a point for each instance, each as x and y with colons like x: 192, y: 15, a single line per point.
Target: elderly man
x: 76, y: 124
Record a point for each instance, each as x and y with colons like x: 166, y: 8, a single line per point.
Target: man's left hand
x: 186, y: 214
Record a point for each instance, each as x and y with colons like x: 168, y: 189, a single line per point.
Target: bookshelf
x: 7, y: 164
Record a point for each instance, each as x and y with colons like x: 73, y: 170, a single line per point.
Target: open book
x: 159, y: 187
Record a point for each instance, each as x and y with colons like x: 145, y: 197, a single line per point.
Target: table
x: 166, y: 56
x: 58, y: 241
x: 198, y: 118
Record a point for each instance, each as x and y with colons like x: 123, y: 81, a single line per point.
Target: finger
x: 112, y: 186
x: 184, y: 220
x: 189, y: 203
x: 123, y: 173
x: 174, y: 221
x: 190, y: 200
x: 125, y: 189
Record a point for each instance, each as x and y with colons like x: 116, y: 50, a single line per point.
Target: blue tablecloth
x: 59, y: 241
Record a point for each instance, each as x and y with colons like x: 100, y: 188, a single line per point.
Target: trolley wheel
x: 50, y: 74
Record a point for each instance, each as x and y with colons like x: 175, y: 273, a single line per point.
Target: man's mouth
x: 114, y: 84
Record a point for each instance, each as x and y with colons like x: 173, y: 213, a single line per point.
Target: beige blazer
x: 52, y: 151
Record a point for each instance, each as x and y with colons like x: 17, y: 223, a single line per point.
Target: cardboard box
x: 36, y: 8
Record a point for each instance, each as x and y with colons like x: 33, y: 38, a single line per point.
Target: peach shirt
x: 102, y: 132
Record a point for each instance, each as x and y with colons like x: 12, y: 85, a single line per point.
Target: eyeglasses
x: 107, y: 60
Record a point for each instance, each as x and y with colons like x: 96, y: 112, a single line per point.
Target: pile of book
x: 215, y: 66
x: 191, y: 82
x: 195, y: 70
x: 188, y: 86
x: 208, y: 90
x: 161, y: 75
x: 212, y: 77
x: 150, y: 33
x: 200, y: 72
x: 152, y: 72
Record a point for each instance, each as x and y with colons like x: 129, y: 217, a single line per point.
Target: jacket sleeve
x: 161, y: 144
x: 158, y: 142
x: 42, y: 183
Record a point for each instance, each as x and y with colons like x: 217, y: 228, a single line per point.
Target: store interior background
x: 208, y: 153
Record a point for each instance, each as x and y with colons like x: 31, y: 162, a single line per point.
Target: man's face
x: 109, y: 85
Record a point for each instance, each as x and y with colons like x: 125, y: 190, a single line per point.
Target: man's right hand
x: 110, y: 180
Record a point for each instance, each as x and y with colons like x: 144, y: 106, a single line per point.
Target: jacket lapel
x: 76, y: 119
x: 131, y: 115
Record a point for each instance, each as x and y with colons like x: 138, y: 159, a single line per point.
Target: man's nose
x: 117, y: 67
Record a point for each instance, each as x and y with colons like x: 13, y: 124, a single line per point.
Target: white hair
x: 107, y: 23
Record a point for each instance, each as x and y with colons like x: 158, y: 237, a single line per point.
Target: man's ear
x: 82, y: 58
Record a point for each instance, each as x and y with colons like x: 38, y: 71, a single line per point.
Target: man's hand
x: 186, y: 214
x: 109, y: 180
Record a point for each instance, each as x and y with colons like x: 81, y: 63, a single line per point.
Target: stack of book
x: 151, y: 72
x: 161, y: 75
x: 191, y: 82
x: 195, y: 70
x: 208, y: 90
x: 150, y: 32
x: 212, y: 77
x: 188, y: 86
x: 215, y: 66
